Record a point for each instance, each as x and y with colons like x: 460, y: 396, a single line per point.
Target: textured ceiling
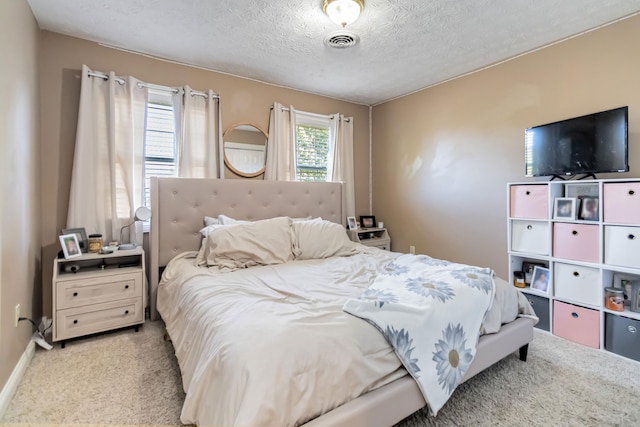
x: 405, y: 45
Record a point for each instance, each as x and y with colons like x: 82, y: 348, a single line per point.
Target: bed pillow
x: 209, y: 220
x: 244, y: 245
x: 317, y: 239
x: 227, y: 220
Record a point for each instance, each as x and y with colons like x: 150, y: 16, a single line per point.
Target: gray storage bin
x: 541, y: 307
x: 622, y: 336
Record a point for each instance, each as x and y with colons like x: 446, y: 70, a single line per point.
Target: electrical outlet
x: 412, y: 249
x: 17, y: 316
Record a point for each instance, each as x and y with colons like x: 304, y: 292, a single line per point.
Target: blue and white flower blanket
x: 431, y: 312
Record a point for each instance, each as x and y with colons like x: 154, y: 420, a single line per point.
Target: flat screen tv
x: 595, y: 143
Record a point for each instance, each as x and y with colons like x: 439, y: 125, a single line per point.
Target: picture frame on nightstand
x: 81, y: 234
x: 70, y: 246
x: 351, y: 222
x: 540, y: 279
x: 367, y: 221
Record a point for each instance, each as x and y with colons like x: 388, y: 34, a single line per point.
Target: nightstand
x: 98, y: 292
x: 376, y: 237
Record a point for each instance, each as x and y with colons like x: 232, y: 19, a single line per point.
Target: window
x: 159, y: 141
x: 313, y: 147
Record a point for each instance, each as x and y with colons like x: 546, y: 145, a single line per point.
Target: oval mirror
x: 245, y: 149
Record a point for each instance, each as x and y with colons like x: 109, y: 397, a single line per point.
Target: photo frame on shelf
x: 367, y: 221
x: 625, y: 282
x: 564, y: 208
x: 634, y: 303
x: 351, y: 222
x: 527, y: 270
x: 70, y: 246
x: 81, y: 234
x: 589, y: 208
x: 540, y: 279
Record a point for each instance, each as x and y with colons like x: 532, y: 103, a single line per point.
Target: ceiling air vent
x: 341, y: 39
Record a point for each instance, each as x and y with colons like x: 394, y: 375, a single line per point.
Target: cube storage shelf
x: 583, y: 257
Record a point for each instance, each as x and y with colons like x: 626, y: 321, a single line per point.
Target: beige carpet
x: 133, y: 379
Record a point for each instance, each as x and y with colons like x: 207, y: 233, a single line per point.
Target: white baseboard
x: 12, y: 384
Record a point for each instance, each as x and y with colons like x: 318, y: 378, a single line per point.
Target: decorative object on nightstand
x: 376, y: 237
x: 97, y: 292
x: 368, y: 221
x: 70, y: 246
x: 351, y: 222
x: 81, y: 235
x: 142, y: 214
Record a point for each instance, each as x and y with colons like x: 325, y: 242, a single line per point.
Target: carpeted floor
x: 130, y: 378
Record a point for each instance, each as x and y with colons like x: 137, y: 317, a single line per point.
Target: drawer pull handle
x: 631, y: 192
x: 529, y: 227
x: 574, y: 232
x: 126, y: 312
x: 632, y: 329
x: 126, y: 286
x: 527, y: 192
x: 576, y: 274
x: 631, y: 237
x: 75, y: 322
x: 75, y: 294
x: 574, y: 314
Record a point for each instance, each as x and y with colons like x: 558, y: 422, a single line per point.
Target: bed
x: 179, y: 206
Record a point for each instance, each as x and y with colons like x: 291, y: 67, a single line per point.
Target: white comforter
x: 271, y: 345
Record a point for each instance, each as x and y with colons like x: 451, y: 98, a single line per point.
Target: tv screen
x: 595, y: 143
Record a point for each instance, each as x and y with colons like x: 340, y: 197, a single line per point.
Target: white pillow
x: 208, y: 220
x: 226, y: 220
x: 244, y: 245
x: 317, y: 239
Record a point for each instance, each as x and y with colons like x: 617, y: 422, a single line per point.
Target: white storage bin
x: 530, y: 237
x: 577, y: 283
x: 622, y: 246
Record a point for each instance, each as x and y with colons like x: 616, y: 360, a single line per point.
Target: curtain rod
x: 152, y: 86
x: 323, y: 116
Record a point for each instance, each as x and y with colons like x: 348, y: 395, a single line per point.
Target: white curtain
x: 342, y: 169
x: 197, y: 118
x: 280, y: 163
x: 108, y: 164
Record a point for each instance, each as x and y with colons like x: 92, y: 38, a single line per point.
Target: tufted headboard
x: 178, y: 206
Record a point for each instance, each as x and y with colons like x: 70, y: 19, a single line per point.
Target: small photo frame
x: 368, y: 221
x: 589, y: 209
x: 351, y: 222
x: 527, y: 270
x: 81, y: 234
x: 70, y: 245
x: 565, y: 208
x: 540, y: 280
x: 625, y: 282
x: 634, y: 304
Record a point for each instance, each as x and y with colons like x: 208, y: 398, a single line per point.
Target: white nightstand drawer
x: 75, y: 322
x: 77, y: 293
x: 577, y: 283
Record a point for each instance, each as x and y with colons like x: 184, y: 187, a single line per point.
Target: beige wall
x: 442, y: 156
x: 20, y: 165
x: 242, y: 100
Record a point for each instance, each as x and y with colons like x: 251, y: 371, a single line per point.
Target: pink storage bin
x: 529, y: 201
x: 621, y: 202
x: 577, y: 242
x: 577, y: 324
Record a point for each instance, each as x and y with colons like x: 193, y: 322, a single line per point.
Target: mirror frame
x: 228, y: 163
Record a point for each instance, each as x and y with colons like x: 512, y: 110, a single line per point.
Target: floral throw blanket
x: 430, y: 311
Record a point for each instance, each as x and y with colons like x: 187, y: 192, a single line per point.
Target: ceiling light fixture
x: 343, y: 12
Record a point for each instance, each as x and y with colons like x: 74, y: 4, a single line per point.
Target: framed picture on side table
x: 351, y: 222
x: 70, y: 246
x: 368, y: 221
x: 81, y: 234
x: 588, y: 209
x: 527, y: 270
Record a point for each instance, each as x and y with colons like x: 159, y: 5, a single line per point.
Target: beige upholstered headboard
x: 178, y: 206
